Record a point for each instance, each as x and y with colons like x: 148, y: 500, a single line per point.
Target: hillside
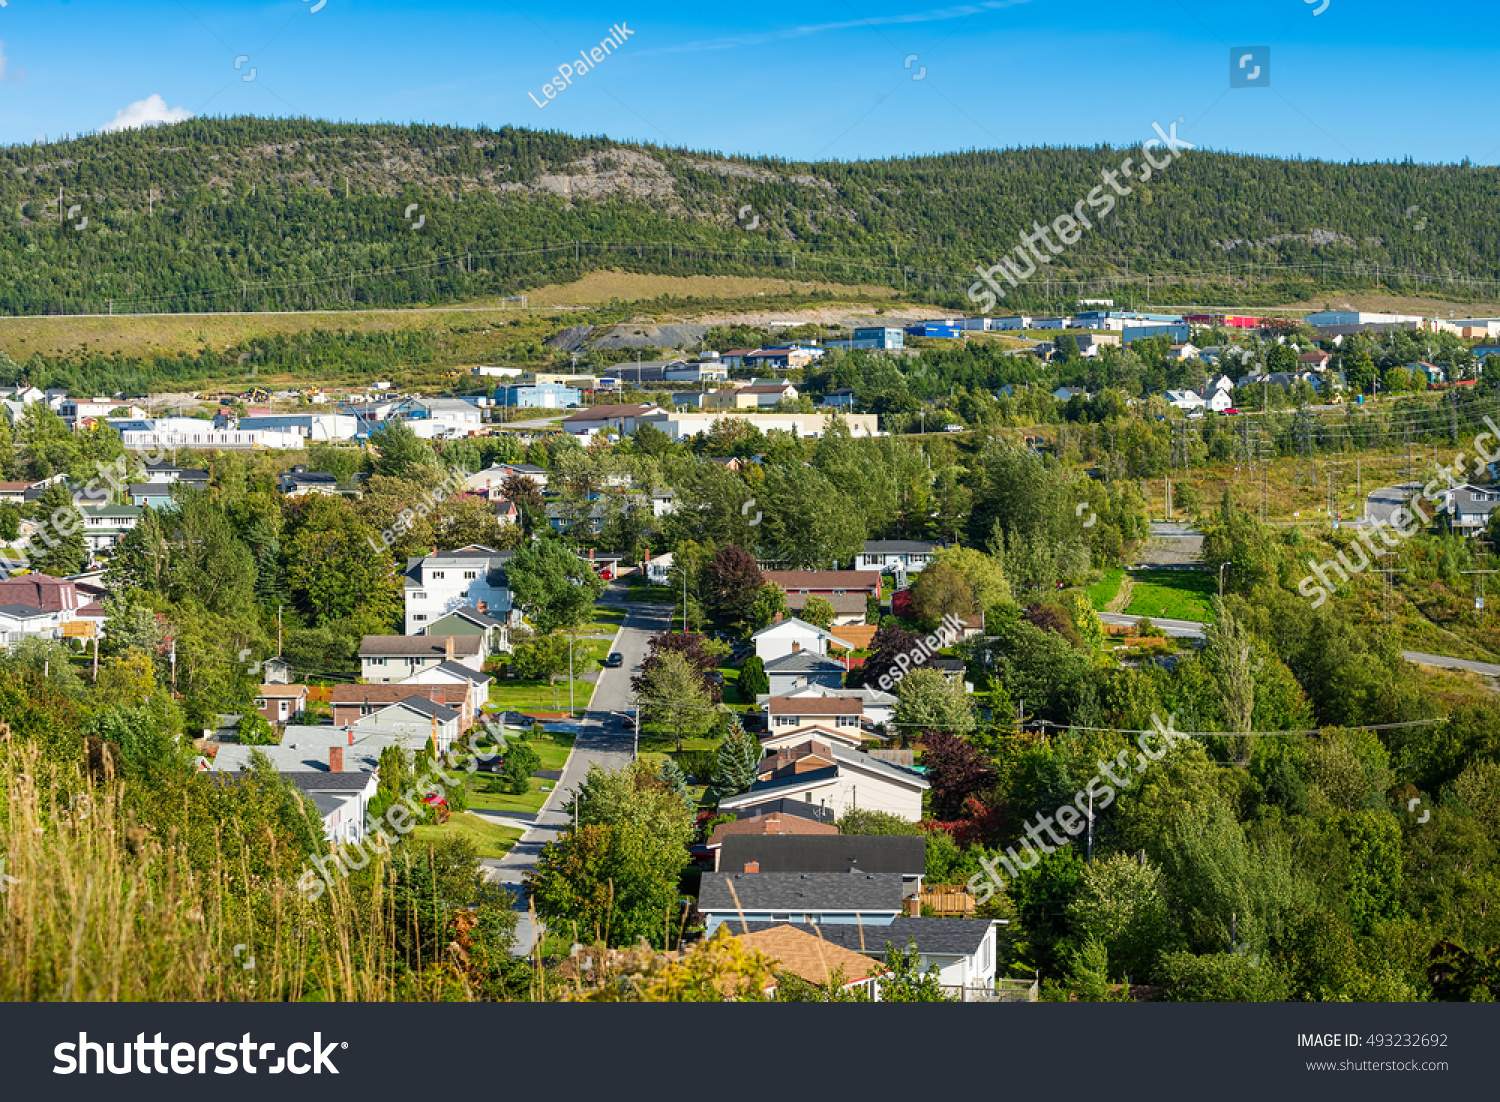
x: 255, y: 214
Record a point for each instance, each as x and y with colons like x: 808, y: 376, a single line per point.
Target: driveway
x: 1487, y: 669
x: 1171, y: 545
x: 603, y: 739
x: 1181, y: 629
x: 1383, y: 503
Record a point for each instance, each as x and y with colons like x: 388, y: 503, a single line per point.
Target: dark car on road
x: 614, y: 661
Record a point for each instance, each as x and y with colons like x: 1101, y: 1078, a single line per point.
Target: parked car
x: 954, y: 428
x: 715, y: 678
x: 607, y: 574
x: 614, y: 661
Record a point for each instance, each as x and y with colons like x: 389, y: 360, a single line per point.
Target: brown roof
x: 770, y: 824
x: 39, y: 591
x: 844, y: 604
x: 816, y: 706
x: 765, y: 388
x: 14, y: 487
x: 858, y: 636
x: 419, y: 646
x: 603, y: 413
x: 394, y: 694
x: 279, y: 691
x: 809, y: 956
x: 824, y: 579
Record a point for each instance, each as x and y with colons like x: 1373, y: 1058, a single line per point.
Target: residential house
x: 773, y: 823
x: 353, y: 703
x: 623, y: 419
x: 1424, y: 372
x: 276, y: 671
x: 299, y: 482
x: 422, y: 718
x: 876, y: 706
x: 790, y: 636
x: 1067, y: 393
x: 896, y: 556
x: 800, y: 953
x: 104, y: 526
x: 475, y: 682
x: 18, y: 622
x: 446, y: 581
x: 659, y: 569
x: 818, y: 897
x: 826, y: 583
x: 495, y: 475
x: 14, y: 493
x: 781, y: 359
x: 902, y: 854
x: 842, y: 398
x: 790, y: 720
x: 386, y: 659
x: 281, y: 703
x: 1467, y: 508
x: 1184, y: 351
x: 469, y: 621
x: 953, y: 669
x: 38, y: 605
x: 855, y: 779
x: 964, y: 951
x: 1316, y: 360
x: 798, y: 671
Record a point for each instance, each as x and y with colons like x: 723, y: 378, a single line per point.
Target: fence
x: 945, y: 900
x: 1004, y: 991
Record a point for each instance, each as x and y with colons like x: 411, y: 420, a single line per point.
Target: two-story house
x: 386, y: 659
x: 896, y: 556
x: 447, y: 581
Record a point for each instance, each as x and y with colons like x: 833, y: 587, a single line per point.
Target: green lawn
x: 488, y: 838
x: 521, y: 695
x: 607, y: 620
x: 643, y: 591
x: 484, y: 789
x: 1106, y: 589
x: 1173, y: 594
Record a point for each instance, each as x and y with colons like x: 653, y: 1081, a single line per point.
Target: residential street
x: 603, y: 739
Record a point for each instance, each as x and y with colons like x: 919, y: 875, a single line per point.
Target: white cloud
x: 151, y: 111
x: 4, y: 61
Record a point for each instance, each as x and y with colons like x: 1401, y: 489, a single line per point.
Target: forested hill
x: 248, y: 213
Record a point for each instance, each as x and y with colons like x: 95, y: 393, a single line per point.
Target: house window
x: 420, y: 617
x: 848, y: 721
x: 781, y: 918
x: 838, y: 592
x: 436, y: 575
x: 376, y: 661
x: 786, y: 721
x: 419, y: 596
x: 470, y: 575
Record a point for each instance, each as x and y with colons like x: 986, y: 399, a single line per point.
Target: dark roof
x: 315, y: 478
x: 324, y: 782
x: 824, y: 579
x: 795, y: 780
x: 36, y: 590
x: 808, y: 891
x: 940, y: 936
x: 815, y: 706
x: 474, y: 677
x: 803, y: 662
x: 423, y: 706
x: 473, y: 615
x: 20, y: 612
x: 899, y: 853
x: 899, y: 547
x: 947, y: 665
x: 800, y: 808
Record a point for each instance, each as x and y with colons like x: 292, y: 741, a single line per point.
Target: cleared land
x: 1173, y: 595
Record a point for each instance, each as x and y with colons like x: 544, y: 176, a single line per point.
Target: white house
x: 962, y: 950
x: 877, y: 707
x: 896, y: 556
x: 106, y: 525
x: 791, y: 636
x: 422, y: 718
x: 1468, y: 507
x: 659, y: 569
x: 445, y: 581
x: 855, y: 780
x: 385, y: 659
x: 816, y: 897
x: 453, y: 673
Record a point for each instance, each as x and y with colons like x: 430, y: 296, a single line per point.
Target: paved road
x: 603, y: 739
x: 1181, y: 629
x: 1488, y: 669
x: 1382, y: 503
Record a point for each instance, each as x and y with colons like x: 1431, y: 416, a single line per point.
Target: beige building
x: 681, y: 426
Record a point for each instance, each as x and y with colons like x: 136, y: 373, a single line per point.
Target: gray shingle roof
x: 417, y: 646
x: 860, y: 760
x: 422, y: 706
x: 899, y: 547
x: 899, y: 853
x: 934, y: 936
x: 804, y: 662
x: 814, y: 891
x: 329, y: 782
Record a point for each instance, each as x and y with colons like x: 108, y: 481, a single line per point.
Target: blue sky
x: 821, y: 79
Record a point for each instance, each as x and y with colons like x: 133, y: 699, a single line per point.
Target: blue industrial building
x: 1178, y: 333
x: 538, y: 396
x: 883, y: 336
x: 935, y: 330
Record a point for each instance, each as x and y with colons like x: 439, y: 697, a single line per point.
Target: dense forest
x: 258, y: 214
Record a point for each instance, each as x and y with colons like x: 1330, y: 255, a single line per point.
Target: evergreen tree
x: 736, y: 761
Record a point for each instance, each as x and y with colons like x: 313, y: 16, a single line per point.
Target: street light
x: 1221, y: 578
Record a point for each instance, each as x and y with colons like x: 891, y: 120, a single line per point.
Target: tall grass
x: 99, y: 907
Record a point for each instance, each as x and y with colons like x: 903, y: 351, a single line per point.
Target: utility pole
x: 278, y: 631
x: 1222, y: 567
x: 1479, y: 589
